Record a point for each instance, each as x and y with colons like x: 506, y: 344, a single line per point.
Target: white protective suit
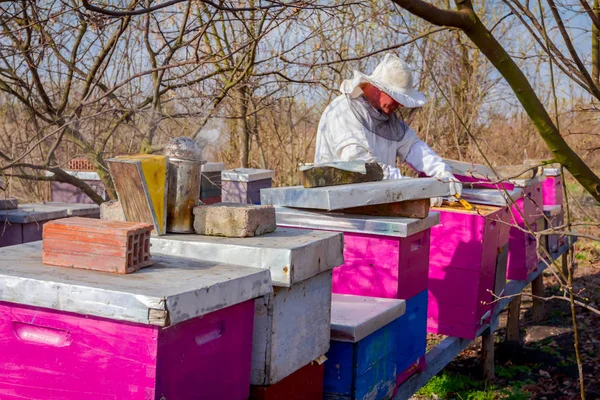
x: 342, y: 137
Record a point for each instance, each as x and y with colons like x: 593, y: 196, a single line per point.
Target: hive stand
x: 442, y: 354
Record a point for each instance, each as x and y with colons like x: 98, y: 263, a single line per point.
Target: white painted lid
x: 213, y: 167
x: 355, y: 317
x: 246, y: 174
x: 292, y: 255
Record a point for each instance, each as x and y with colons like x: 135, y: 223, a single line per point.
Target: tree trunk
x: 561, y: 151
x: 596, y: 47
x: 243, y: 126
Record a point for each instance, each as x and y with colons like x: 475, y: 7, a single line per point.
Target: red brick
x: 80, y: 164
x: 111, y: 246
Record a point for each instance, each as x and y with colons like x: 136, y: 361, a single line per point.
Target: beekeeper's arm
x: 423, y: 159
x: 356, y: 151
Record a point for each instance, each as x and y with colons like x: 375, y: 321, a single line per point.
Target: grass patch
x: 449, y: 386
x: 512, y: 371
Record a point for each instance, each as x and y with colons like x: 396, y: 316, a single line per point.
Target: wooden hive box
x: 462, y: 268
x: 179, y: 329
x: 362, y: 359
x: 111, y: 246
x: 141, y: 184
x: 210, y: 184
x: 243, y: 185
x: 552, y: 187
x: 555, y: 216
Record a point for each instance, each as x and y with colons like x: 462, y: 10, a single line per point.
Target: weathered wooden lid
x: 339, y: 222
x: 172, y: 290
x: 246, y: 174
x: 355, y: 195
x: 292, y: 255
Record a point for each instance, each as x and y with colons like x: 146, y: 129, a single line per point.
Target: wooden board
x: 407, y: 209
x: 141, y: 185
x: 331, y: 176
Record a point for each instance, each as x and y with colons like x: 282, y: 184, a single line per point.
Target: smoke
x: 213, y: 137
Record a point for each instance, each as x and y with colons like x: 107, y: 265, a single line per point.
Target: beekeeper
x: 361, y: 124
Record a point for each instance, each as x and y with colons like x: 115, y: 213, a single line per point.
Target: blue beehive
x: 363, y: 356
x: 412, y: 342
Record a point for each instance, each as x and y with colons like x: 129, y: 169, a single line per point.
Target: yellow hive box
x: 141, y: 184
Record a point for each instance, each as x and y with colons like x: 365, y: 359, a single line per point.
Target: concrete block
x: 234, y: 220
x: 112, y: 211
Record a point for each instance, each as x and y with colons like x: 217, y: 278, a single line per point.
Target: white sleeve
x: 422, y: 158
x: 353, y: 152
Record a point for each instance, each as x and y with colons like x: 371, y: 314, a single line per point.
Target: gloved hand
x: 455, y: 185
x: 435, y: 201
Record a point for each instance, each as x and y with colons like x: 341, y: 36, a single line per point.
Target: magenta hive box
x: 522, y: 254
x: 383, y: 256
x: 180, y: 329
x: 462, y: 268
x: 552, y: 187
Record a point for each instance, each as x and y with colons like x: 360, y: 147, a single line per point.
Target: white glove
x: 435, y: 201
x: 455, y: 185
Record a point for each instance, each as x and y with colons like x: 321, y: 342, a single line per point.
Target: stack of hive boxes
x: 467, y: 267
x: 384, y: 257
x: 526, y: 212
x: 292, y: 324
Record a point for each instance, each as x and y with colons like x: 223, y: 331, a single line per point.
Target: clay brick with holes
x: 80, y: 164
x: 111, y: 246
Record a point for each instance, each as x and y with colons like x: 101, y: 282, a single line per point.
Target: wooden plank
x: 537, y: 290
x: 441, y: 355
x: 407, y: 209
x: 331, y: 176
x: 487, y: 356
x: 140, y: 181
x: 130, y: 189
x: 512, y: 319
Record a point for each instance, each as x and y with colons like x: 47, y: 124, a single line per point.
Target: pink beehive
x: 462, y: 268
x: 552, y: 187
x: 180, y: 329
x: 383, y: 266
x: 383, y: 256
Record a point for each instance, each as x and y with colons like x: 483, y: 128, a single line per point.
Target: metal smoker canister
x: 185, y: 160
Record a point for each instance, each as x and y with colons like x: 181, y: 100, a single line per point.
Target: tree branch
x: 437, y: 16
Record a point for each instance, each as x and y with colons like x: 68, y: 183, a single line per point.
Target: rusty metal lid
x: 184, y: 148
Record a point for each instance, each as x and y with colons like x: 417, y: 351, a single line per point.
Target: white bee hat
x: 393, y: 77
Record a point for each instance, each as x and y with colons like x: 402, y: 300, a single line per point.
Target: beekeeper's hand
x: 435, y: 201
x: 455, y: 185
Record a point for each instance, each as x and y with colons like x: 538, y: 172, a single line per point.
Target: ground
x: 543, y: 365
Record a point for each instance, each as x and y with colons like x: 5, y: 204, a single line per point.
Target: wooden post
x: 512, y: 320
x: 537, y: 290
x: 487, y: 355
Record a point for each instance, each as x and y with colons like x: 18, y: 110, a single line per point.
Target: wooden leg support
x: 537, y: 290
x: 487, y: 356
x: 512, y: 321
